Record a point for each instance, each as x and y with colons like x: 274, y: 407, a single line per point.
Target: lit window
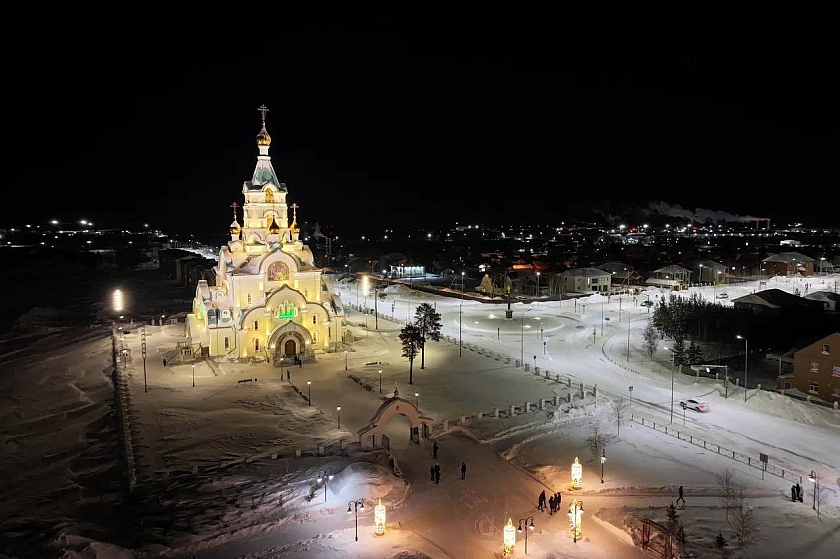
x: 256, y: 344
x: 812, y: 387
x: 315, y: 337
x: 227, y: 343
x: 815, y: 367
x: 314, y: 320
x: 826, y: 349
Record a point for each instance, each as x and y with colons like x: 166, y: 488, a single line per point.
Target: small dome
x: 263, y: 139
x: 234, y: 228
x: 273, y: 228
x: 294, y: 228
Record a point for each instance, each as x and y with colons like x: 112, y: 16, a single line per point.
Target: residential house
x: 708, y: 271
x: 827, y: 298
x: 622, y: 274
x: 673, y: 276
x: 816, y: 369
x: 778, y: 302
x: 585, y: 280
x: 788, y: 263
x: 487, y: 287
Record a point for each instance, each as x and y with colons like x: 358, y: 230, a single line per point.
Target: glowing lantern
x: 577, y: 474
x: 510, y: 538
x: 379, y: 519
x: 575, y: 513
x: 117, y: 300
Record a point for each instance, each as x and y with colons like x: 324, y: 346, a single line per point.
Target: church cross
x: 234, y: 206
x: 294, y: 209
x: 263, y: 109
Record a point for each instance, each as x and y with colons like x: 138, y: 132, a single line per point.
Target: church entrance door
x: 289, y: 348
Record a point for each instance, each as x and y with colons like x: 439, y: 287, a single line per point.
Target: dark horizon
x: 387, y: 139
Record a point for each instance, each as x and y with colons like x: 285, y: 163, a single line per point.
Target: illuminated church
x: 268, y: 300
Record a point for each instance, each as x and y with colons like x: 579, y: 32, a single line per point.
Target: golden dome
x: 273, y: 228
x: 263, y: 139
x: 234, y: 228
x: 294, y: 228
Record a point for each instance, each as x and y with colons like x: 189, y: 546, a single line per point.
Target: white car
x: 722, y: 296
x: 695, y: 405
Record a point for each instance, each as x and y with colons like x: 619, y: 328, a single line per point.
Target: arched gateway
x: 372, y: 435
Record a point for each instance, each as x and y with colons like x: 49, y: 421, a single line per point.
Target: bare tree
x: 596, y: 440
x: 619, y: 412
x: 727, y: 488
x: 744, y: 523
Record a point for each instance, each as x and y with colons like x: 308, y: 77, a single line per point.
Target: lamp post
x: 193, y: 369
x: 746, y: 358
x: 461, y: 318
x: 356, y: 506
x: 380, y: 381
x: 648, y: 300
x: 813, y: 477
x: 338, y: 409
x: 673, y: 366
x: 629, y: 320
x: 417, y: 400
x: 309, y: 387
x: 143, y: 347
x: 529, y: 525
x: 603, y: 459
x: 345, y: 359
x: 575, y: 512
x: 538, y: 287
x: 326, y: 476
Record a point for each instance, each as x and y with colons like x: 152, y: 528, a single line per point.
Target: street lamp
x: 309, y: 387
x: 193, y: 369
x: 529, y: 524
x: 575, y: 512
x: 746, y: 358
x: 538, y: 286
x: 673, y: 366
x: 603, y: 459
x: 380, y: 381
x: 461, y: 318
x: 338, y: 409
x: 326, y: 476
x: 357, y: 505
x: 814, y: 478
x: 345, y: 360
x: 417, y: 400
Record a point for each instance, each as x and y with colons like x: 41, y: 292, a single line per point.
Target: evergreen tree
x: 411, y: 340
x: 679, y: 352
x: 671, y: 511
x: 651, y: 338
x: 720, y: 541
x: 694, y: 354
x: 427, y: 321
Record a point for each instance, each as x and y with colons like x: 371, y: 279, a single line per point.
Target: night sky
x: 370, y: 133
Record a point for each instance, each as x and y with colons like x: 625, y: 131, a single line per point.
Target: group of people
x: 796, y: 493
x: 434, y: 471
x: 553, y: 503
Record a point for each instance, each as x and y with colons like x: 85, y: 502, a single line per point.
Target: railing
x: 712, y: 447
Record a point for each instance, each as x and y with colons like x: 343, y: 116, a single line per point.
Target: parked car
x: 647, y: 303
x: 722, y: 296
x: 696, y: 405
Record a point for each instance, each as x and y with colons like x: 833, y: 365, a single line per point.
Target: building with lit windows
x: 268, y: 301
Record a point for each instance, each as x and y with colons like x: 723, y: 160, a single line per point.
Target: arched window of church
x: 227, y: 343
x: 249, y: 298
x: 256, y: 325
x: 269, y: 196
x: 315, y: 337
x: 256, y: 344
x: 315, y: 319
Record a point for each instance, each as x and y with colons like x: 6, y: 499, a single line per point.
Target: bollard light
x: 575, y: 513
x: 379, y: 519
x: 577, y: 474
x: 509, y: 538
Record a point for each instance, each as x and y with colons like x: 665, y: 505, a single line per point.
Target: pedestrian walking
x: 541, y: 501
x: 799, y: 492
x: 434, y: 450
x: 432, y: 474
x: 437, y: 473
x: 557, y: 500
x: 164, y: 362
x: 793, y: 495
x: 300, y: 362
x: 681, y: 498
x: 288, y: 375
x: 551, y: 504
x: 463, y: 470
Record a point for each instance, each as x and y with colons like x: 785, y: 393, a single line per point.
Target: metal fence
x: 712, y: 447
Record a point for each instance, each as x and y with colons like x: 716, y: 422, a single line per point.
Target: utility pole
x: 375, y: 307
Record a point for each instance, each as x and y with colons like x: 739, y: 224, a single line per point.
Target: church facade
x: 268, y: 299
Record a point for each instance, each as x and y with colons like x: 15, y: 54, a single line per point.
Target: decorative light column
x: 577, y: 474
x: 509, y: 538
x: 379, y: 519
x: 575, y: 512
x: 380, y: 381
x: 603, y: 459
x: 309, y: 387
x: 529, y: 525
x: 338, y: 410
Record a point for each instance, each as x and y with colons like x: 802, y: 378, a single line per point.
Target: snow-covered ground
x: 198, y: 496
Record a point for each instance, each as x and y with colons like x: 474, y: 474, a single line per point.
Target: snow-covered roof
x: 586, y: 272
x: 672, y: 269
x: 788, y: 257
x: 775, y: 299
